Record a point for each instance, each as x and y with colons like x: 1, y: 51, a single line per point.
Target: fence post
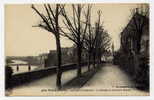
x: 17, y: 67
x: 29, y: 67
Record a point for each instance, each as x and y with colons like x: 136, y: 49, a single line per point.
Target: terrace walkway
x: 108, y: 80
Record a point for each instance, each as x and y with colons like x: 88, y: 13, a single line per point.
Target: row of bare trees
x: 77, y: 28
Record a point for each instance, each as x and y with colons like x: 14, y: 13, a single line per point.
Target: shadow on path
x: 78, y: 82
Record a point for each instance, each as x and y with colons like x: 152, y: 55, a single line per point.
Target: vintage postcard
x: 86, y: 49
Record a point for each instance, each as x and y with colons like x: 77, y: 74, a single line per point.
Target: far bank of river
x: 22, y: 68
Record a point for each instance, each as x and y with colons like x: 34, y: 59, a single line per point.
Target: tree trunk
x: 79, y: 60
x: 99, y: 57
x: 138, y: 44
x: 89, y: 58
x: 59, y: 72
x: 94, y: 58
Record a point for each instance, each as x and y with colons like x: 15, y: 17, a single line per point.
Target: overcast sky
x: 21, y: 39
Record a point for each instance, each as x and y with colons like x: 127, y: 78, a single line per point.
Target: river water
x: 22, y: 68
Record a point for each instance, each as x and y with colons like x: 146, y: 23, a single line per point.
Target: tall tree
x: 76, y: 29
x: 97, y: 35
x: 139, y: 20
x: 89, y: 38
x: 102, y: 44
x: 97, y: 41
x: 50, y: 22
x: 101, y: 41
x: 89, y: 45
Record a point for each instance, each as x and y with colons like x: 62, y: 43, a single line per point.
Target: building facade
x: 133, y: 56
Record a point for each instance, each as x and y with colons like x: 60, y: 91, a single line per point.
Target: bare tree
x: 101, y: 40
x: 97, y: 41
x: 50, y: 22
x: 89, y: 45
x: 89, y: 38
x: 76, y: 29
x: 102, y: 44
x: 97, y: 35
